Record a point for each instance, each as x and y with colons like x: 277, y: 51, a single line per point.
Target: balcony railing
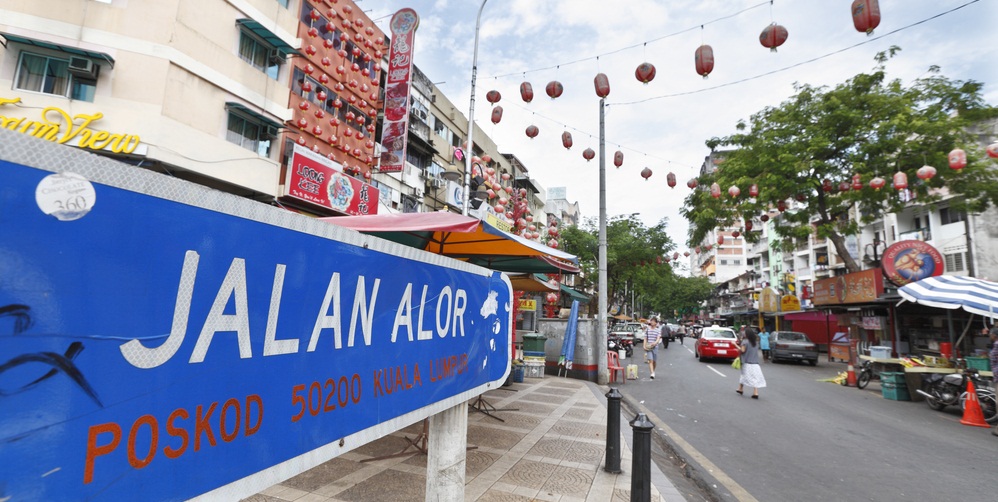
x: 922, y: 234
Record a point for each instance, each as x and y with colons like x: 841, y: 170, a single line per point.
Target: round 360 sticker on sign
x: 66, y: 196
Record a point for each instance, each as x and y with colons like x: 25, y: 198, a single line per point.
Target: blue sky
x: 663, y: 124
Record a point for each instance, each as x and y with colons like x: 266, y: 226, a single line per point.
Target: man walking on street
x: 653, y: 335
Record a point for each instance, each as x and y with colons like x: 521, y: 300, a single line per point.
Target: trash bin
x: 533, y: 344
x: 518, y: 373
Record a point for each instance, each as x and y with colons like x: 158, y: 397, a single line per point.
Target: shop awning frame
x: 267, y: 36
x: 92, y: 55
x: 253, y: 114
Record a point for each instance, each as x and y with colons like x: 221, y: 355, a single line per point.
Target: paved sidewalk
x: 551, y: 448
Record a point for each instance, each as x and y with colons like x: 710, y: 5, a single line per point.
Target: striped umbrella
x: 952, y: 292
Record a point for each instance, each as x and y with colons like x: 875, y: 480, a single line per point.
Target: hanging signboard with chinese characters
x: 397, y: 83
x: 857, y: 287
x: 317, y: 180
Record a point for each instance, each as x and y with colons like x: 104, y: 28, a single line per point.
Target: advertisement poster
x: 166, y: 339
x: 317, y: 180
x: 398, y: 79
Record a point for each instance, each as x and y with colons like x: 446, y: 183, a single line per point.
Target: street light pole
x: 602, y: 375
x: 471, y: 116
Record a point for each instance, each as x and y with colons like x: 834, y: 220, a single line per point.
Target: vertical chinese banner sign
x: 393, y: 137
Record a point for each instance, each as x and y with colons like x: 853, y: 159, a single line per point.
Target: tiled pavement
x: 551, y: 448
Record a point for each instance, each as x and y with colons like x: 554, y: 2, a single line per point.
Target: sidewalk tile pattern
x: 551, y: 448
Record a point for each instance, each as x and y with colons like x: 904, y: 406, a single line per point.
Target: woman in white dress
x: 751, y: 371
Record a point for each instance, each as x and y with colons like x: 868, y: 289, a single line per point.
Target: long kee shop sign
x: 314, y: 179
x: 208, y: 347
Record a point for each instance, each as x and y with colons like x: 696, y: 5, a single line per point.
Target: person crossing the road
x: 751, y: 371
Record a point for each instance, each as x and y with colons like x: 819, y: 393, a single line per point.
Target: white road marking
x: 718, y: 372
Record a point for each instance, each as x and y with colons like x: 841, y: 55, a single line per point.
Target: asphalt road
x: 805, y: 439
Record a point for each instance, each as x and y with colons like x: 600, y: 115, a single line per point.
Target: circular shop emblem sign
x: 910, y: 261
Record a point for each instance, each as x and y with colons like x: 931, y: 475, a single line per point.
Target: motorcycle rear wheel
x: 935, y: 404
x: 863, y: 380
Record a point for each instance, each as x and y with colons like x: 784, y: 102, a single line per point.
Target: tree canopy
x: 804, y: 154
x: 636, y: 260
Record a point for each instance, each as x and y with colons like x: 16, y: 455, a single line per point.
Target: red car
x: 718, y: 343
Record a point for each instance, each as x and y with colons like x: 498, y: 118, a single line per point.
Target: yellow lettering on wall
x: 78, y: 127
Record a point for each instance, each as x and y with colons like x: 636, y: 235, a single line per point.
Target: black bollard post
x: 641, y: 459
x: 613, y: 431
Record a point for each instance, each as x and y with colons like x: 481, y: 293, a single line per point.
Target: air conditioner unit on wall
x: 83, y: 67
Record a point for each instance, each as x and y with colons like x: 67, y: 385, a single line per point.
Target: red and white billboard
x: 317, y: 180
x: 398, y: 79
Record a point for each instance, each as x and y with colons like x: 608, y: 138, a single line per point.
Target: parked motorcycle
x: 950, y: 389
x: 865, y: 374
x: 616, y: 343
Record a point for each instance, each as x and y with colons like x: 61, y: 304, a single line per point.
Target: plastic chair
x: 613, y: 365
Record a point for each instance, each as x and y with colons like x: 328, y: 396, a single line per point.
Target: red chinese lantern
x: 302, y: 123
x: 532, y: 131
x: 496, y: 114
x: 844, y: 186
x: 773, y: 36
x: 566, y: 139
x: 493, y: 97
x: 734, y: 191
x: 704, y: 60
x: 993, y: 150
x: 877, y: 183
x: 708, y: 247
x: 735, y: 234
x: 646, y: 173
x: 753, y: 190
x: 926, y: 173
x: 686, y: 254
x: 602, y: 85
x: 800, y: 197
x: 764, y: 218
x: 667, y: 259
x: 748, y: 225
x: 554, y: 89
x: 715, y: 190
x: 526, y: 92
x: 826, y: 185
x: 552, y: 297
x: 696, y: 250
x: 720, y: 240
x: 865, y: 15
x: 317, y: 130
x: 645, y: 73
x: 670, y: 179
x: 553, y: 243
x: 781, y: 206
x: 692, y: 183
x: 618, y: 158
x: 857, y: 182
x: 487, y: 159
x: 900, y: 181
x: 675, y: 256
x: 957, y: 159
x: 588, y: 154
x: 303, y: 106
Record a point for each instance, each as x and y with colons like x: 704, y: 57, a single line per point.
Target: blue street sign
x: 162, y: 340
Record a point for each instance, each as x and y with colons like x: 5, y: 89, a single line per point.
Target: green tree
x: 819, y: 139
x: 635, y: 257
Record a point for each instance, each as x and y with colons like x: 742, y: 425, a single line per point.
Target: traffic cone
x: 851, y: 376
x: 972, y: 414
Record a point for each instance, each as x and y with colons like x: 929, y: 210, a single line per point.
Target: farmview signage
x: 224, y: 338
x: 58, y: 126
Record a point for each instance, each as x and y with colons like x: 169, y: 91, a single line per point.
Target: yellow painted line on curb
x: 722, y: 478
